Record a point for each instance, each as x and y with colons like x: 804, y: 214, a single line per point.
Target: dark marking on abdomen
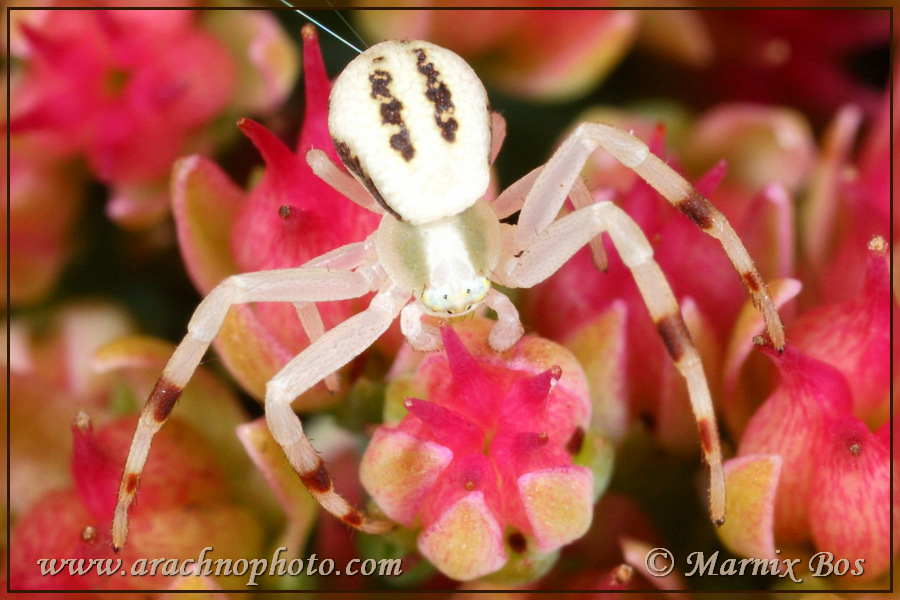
x: 390, y: 113
x: 439, y: 95
x: 352, y: 163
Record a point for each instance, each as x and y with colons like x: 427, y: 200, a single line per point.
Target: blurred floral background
x: 153, y: 153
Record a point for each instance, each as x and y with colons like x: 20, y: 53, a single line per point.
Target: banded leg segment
x: 291, y: 285
x: 341, y: 181
x: 558, y: 242
x: 559, y: 174
x: 327, y: 354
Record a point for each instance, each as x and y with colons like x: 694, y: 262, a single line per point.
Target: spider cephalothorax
x: 411, y: 121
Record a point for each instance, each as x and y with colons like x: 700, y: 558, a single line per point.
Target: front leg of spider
x: 540, y: 245
x: 300, y: 285
x: 560, y: 240
x: 400, y: 113
x: 326, y: 355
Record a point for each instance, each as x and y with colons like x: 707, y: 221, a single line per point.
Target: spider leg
x: 312, y: 323
x: 557, y: 243
x: 513, y: 198
x: 421, y: 336
x: 345, y: 257
x: 341, y: 181
x: 282, y: 285
x: 508, y: 328
x: 424, y: 337
x: 559, y: 174
x: 498, y: 134
x: 581, y: 197
x: 327, y: 354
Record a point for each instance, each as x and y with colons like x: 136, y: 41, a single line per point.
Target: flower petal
x: 559, y: 503
x: 473, y: 383
x: 137, y: 361
x: 599, y: 345
x: 557, y: 55
x: 399, y: 469
x: 465, y: 542
x: 737, y: 409
x: 268, y: 63
x: 98, y: 458
x: 752, y: 481
x: 791, y: 422
x: 855, y: 337
x: 762, y: 144
x: 446, y: 427
x: 205, y: 203
x: 850, y: 511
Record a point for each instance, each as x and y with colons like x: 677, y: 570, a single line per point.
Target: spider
x: 411, y: 121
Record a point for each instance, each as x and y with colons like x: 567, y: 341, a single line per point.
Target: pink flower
x: 830, y: 485
x: 85, y: 358
x: 290, y: 217
x: 790, y: 423
x: 189, y: 503
x: 604, y: 559
x: 484, y: 468
x: 118, y: 96
x: 815, y: 60
x: 129, y: 91
x: 849, y: 200
x: 126, y: 90
x: 51, y: 378
x: 38, y: 238
x: 854, y: 336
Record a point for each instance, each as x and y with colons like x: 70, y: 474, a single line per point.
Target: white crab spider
x: 412, y: 122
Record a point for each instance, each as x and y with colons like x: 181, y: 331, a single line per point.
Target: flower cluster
x: 484, y: 466
x: 497, y: 467
x: 816, y: 454
x: 75, y: 383
x: 117, y: 96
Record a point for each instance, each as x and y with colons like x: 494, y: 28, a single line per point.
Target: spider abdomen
x: 411, y: 121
